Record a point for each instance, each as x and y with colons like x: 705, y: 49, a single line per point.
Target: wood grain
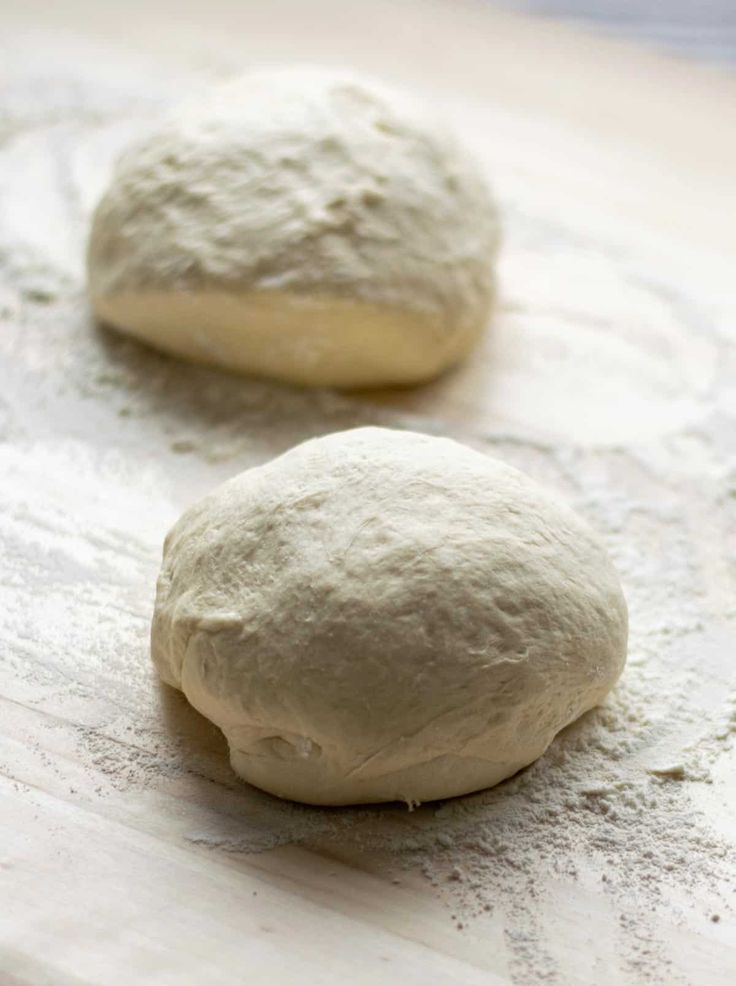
x: 608, y: 371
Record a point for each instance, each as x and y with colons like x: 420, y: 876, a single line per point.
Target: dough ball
x: 380, y: 615
x: 299, y: 224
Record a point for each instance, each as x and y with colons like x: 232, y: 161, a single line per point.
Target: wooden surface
x: 608, y: 371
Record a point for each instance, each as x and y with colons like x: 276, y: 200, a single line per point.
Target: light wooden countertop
x: 609, y: 371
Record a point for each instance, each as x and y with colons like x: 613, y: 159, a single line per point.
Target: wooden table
x: 609, y: 371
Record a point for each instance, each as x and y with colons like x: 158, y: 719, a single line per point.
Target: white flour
x: 104, y: 442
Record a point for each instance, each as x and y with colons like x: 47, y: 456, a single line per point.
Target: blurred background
x: 703, y: 29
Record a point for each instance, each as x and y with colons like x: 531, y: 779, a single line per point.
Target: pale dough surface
x: 609, y: 375
x: 380, y: 615
x: 302, y: 224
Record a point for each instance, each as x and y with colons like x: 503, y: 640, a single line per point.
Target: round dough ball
x: 299, y: 224
x: 381, y: 615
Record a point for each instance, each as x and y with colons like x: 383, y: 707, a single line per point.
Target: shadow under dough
x: 210, y: 401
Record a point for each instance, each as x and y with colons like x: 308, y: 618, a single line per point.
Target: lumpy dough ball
x: 303, y: 225
x: 380, y: 615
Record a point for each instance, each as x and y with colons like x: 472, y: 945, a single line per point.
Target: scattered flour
x: 104, y: 442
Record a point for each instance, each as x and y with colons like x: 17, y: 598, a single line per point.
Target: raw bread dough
x: 381, y: 615
x: 300, y: 224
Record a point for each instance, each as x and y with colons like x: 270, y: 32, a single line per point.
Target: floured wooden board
x: 129, y: 850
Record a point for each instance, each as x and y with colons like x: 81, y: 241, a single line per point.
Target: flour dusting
x: 104, y: 442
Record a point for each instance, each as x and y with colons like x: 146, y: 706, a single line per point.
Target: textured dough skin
x: 300, y: 224
x: 380, y: 615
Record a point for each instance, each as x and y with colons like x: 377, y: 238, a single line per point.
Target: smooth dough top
x: 306, y: 183
x: 380, y: 615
